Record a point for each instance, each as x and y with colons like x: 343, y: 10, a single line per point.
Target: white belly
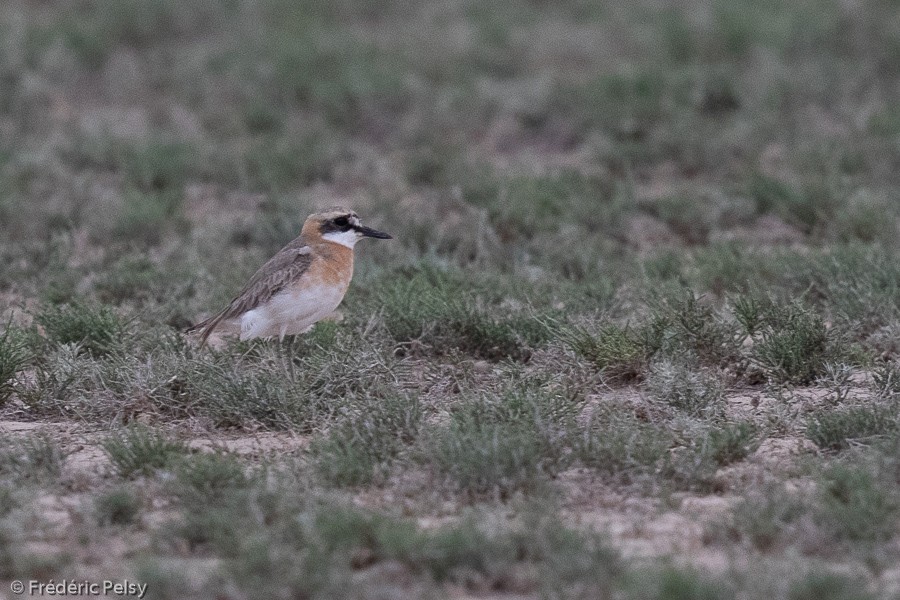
x: 290, y: 312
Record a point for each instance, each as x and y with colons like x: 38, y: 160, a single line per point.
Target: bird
x: 300, y: 285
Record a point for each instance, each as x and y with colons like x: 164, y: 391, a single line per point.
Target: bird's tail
x: 206, y: 327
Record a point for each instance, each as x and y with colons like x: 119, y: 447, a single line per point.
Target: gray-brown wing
x: 280, y: 270
x: 288, y: 265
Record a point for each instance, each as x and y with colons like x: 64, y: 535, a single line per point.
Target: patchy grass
x: 208, y: 479
x: 827, y: 586
x: 360, y: 448
x: 680, y: 584
x: 117, y: 507
x: 695, y: 393
x: 141, y: 451
x: 623, y: 446
x: 794, y: 345
x: 732, y: 442
x: 14, y: 356
x: 430, y: 310
x: 94, y: 329
x: 616, y: 351
x: 643, y: 284
x: 35, y: 458
x: 497, y: 446
x: 837, y: 429
x: 768, y: 519
x: 856, y: 506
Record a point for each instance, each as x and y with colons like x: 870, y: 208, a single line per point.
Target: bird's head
x: 341, y: 226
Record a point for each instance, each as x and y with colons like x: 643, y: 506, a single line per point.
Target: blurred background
x: 644, y: 252
x: 565, y: 140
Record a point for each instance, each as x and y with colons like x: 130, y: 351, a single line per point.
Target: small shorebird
x: 300, y: 285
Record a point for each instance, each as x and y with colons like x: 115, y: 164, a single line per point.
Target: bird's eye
x: 341, y: 222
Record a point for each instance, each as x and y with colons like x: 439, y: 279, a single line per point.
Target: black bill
x: 374, y: 233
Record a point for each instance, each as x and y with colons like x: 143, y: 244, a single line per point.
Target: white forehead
x: 335, y: 214
x: 344, y: 238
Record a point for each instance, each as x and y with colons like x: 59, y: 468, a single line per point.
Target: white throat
x: 344, y: 238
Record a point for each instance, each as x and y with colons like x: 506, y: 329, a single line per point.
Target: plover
x: 299, y: 286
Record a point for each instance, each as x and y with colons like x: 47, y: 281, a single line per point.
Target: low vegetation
x: 635, y: 335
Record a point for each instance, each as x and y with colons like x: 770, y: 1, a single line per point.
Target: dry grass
x: 635, y: 336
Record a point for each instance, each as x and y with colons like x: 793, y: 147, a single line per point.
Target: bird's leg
x: 290, y: 361
x: 291, y: 354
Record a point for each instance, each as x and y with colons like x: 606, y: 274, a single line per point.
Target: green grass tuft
x: 277, y: 163
x: 795, y: 205
x: 158, y: 166
x: 233, y: 396
x: 618, y: 352
x: 117, y: 507
x: 731, y: 442
x: 14, y: 356
x: 360, y: 448
x: 433, y: 309
x: 497, y: 446
x: 693, y: 392
x: 35, y: 458
x: 769, y: 518
x: 147, y: 215
x: 699, y: 329
x: 133, y: 277
x: 95, y: 329
x: 856, y: 505
x: 886, y: 378
x: 622, y: 446
x: 8, y: 500
x: 207, y: 479
x: 487, y: 458
x: 138, y: 451
x: 794, y: 345
x: 836, y: 429
x: 677, y: 584
x: 828, y: 586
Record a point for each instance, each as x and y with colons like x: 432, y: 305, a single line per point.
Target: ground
x: 635, y: 335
